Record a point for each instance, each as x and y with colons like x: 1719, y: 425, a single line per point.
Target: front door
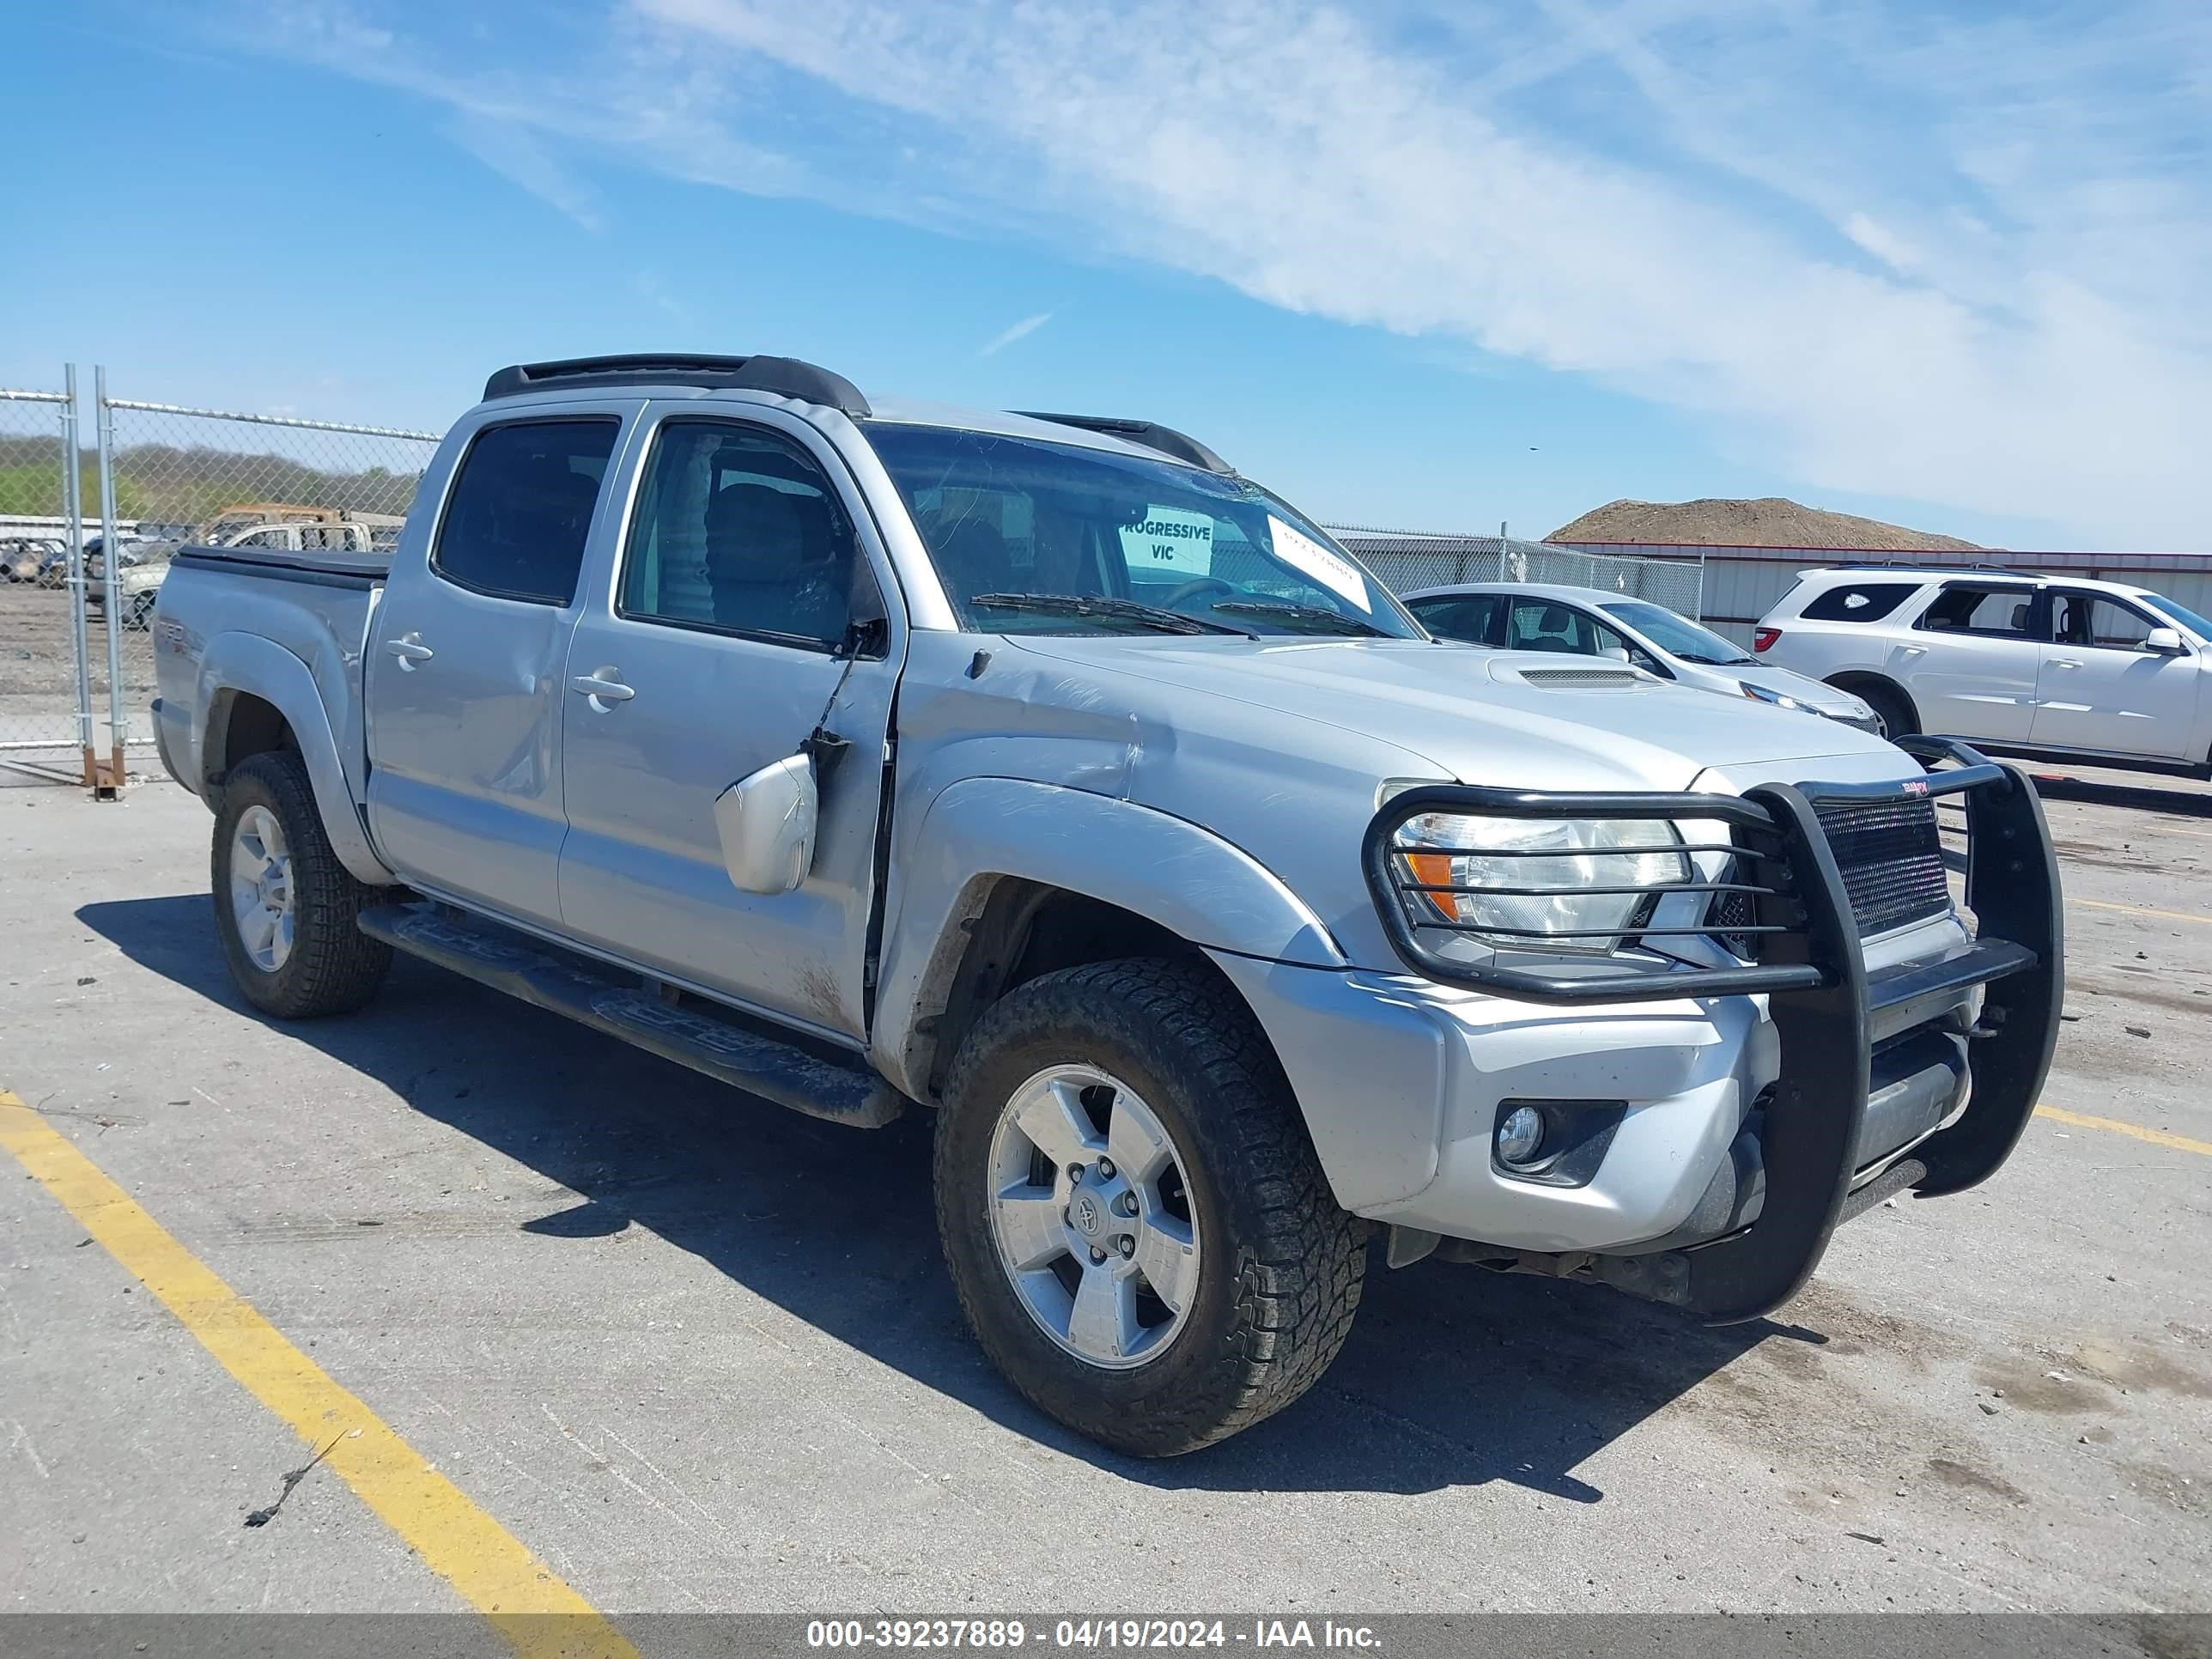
x: 2103, y: 688
x: 1972, y: 660
x: 721, y: 645
x: 463, y: 670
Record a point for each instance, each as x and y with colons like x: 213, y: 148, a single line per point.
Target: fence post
x: 111, y: 557
x: 73, y: 511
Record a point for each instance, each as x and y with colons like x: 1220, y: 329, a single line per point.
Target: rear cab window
x: 521, y: 509
x: 1858, y: 602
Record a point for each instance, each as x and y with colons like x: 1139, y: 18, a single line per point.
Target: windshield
x: 2180, y: 613
x: 1020, y: 530
x: 1678, y: 637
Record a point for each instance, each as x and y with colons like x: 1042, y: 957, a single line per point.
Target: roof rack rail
x: 1150, y: 435
x: 787, y: 376
x: 1908, y: 564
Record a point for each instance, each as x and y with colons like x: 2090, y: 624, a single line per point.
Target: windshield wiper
x: 1100, y: 605
x: 1288, y: 611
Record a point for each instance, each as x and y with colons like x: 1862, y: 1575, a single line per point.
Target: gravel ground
x: 698, y: 1353
x: 37, y: 671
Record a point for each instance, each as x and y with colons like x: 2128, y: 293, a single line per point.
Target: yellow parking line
x: 495, y: 1572
x: 2143, y: 911
x: 2113, y: 1125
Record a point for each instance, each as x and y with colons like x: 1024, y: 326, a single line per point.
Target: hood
x: 1516, y: 720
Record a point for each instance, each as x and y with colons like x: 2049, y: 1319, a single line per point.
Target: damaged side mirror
x: 766, y: 822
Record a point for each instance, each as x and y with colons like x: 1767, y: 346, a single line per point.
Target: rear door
x: 1971, y: 658
x: 2102, y: 688
x: 717, y: 648
x: 465, y: 679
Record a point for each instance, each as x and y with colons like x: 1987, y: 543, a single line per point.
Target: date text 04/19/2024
x: 1088, y: 1634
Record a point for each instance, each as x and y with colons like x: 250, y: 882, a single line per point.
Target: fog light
x: 1519, y: 1136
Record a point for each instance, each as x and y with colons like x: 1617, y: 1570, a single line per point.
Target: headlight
x: 1542, y: 883
x: 1779, y: 699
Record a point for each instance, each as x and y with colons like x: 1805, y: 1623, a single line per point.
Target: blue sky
x: 1423, y: 265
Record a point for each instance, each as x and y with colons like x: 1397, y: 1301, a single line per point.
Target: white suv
x: 2045, y: 666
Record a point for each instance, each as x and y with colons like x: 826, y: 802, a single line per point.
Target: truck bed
x: 347, y: 570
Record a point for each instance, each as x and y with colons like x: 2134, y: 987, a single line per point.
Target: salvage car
x: 2052, y: 668
x: 1592, y: 621
x: 1043, y: 773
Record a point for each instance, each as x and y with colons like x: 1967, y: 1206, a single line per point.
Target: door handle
x: 1912, y: 651
x: 410, y: 650
x: 602, y: 689
x: 2065, y: 662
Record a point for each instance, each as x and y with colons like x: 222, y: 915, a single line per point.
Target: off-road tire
x: 1281, y: 1266
x: 334, y: 968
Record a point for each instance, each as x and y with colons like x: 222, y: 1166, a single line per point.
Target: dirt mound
x: 1771, y: 521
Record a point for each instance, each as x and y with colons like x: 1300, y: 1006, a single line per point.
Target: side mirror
x: 1618, y: 653
x: 2167, y: 641
x: 766, y: 825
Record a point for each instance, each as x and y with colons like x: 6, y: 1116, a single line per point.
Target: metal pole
x: 111, y: 550
x: 73, y: 510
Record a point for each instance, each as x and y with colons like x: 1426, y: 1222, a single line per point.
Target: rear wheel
x: 284, y: 906
x: 1135, y: 1221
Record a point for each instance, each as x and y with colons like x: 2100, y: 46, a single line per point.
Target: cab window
x: 1472, y: 617
x: 738, y: 532
x: 1976, y: 608
x: 521, y: 507
x: 2097, y: 619
x: 1545, y: 625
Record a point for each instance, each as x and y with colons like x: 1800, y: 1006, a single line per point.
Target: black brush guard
x: 1828, y: 1011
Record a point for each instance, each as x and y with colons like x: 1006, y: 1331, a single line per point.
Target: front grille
x: 1891, y: 860
x: 1731, y: 913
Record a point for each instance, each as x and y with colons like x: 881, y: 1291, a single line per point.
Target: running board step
x: 742, y: 1054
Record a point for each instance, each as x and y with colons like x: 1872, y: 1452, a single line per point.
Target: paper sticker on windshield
x: 1333, y: 571
x: 1177, y: 543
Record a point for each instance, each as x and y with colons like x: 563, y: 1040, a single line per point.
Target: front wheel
x: 1136, y: 1223
x: 1891, y: 708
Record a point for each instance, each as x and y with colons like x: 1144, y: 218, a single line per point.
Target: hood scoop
x: 1582, y: 677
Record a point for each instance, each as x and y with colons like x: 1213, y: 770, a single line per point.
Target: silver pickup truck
x: 1042, y: 772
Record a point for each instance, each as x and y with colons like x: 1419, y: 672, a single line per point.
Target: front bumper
x: 1764, y: 1103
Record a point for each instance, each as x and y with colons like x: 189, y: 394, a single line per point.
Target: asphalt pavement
x: 695, y: 1353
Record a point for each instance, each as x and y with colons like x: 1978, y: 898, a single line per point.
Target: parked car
x: 2052, y: 668
x: 1044, y: 773
x: 1590, y: 622
x: 146, y: 566
x: 25, y: 558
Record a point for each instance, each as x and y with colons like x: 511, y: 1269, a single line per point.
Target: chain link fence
x: 182, y: 476
x: 42, y: 728
x: 78, y: 611
x: 1407, y: 560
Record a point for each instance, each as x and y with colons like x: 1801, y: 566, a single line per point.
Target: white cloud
x: 1880, y: 247
x: 1886, y: 245
x: 511, y: 150
x: 1020, y: 330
